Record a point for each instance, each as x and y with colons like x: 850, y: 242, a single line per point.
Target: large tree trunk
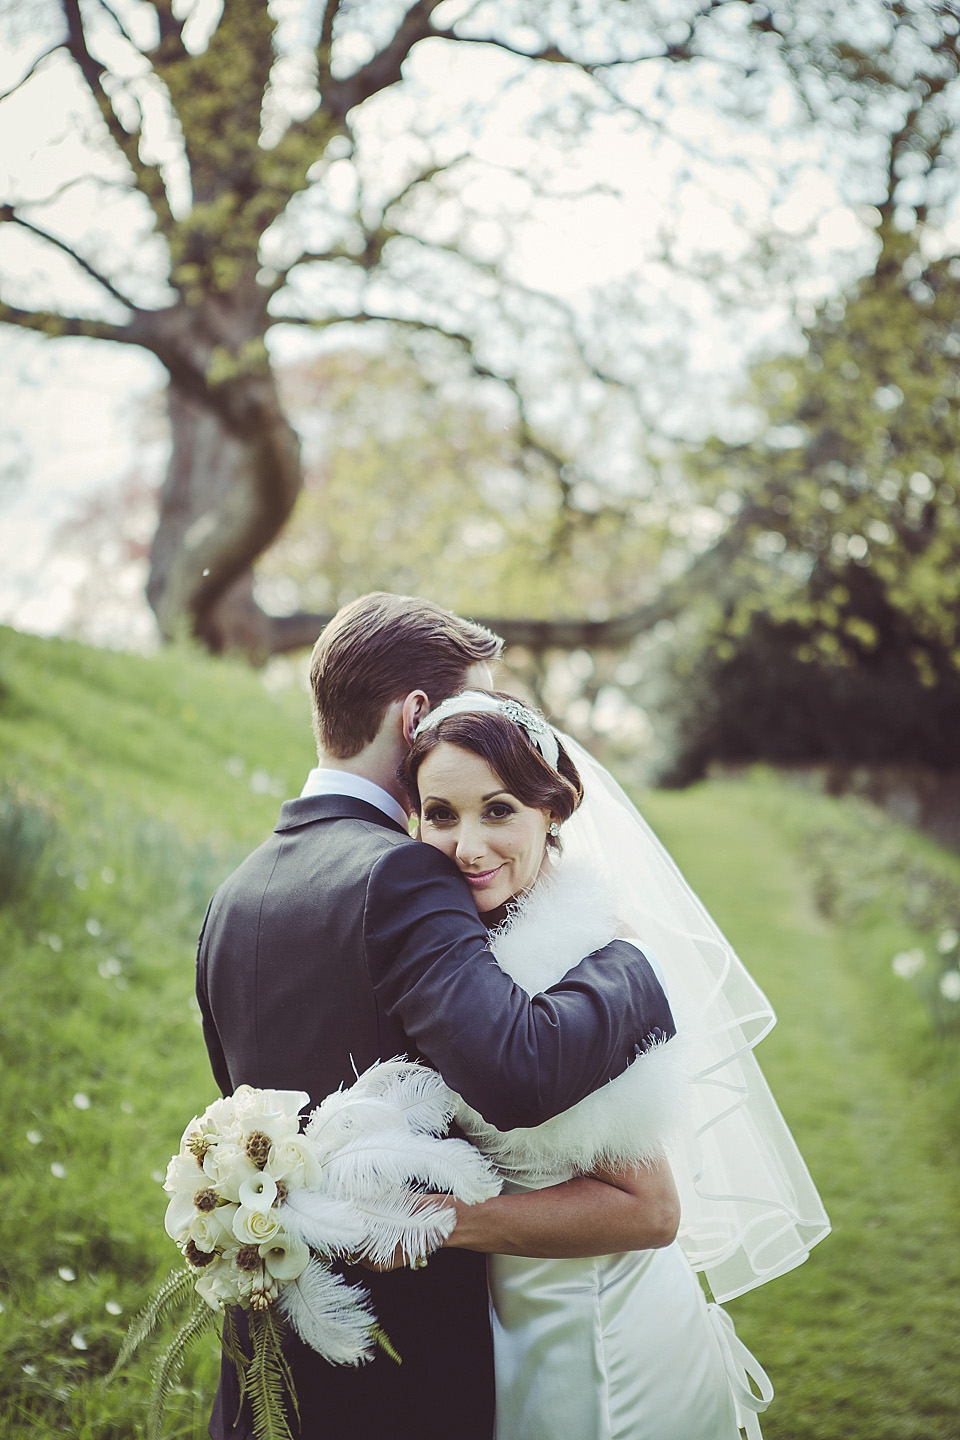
x: 233, y: 479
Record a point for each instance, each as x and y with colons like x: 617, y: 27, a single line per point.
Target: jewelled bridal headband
x: 472, y: 702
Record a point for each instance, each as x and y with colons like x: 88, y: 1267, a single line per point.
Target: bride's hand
x: 398, y: 1260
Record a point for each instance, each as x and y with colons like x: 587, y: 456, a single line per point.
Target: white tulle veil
x: 750, y: 1211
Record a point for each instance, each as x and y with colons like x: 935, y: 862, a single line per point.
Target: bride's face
x: 497, y: 842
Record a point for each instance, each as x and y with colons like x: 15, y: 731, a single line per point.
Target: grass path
x: 156, y: 773
x: 861, y: 1341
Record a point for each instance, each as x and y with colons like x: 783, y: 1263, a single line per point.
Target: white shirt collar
x: 322, y: 781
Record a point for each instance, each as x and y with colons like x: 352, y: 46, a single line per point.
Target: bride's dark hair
x: 509, y: 752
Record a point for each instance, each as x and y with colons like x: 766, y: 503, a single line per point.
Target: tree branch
x: 8, y: 215
x: 171, y: 29
x: 45, y: 322
x: 385, y: 69
x: 300, y: 630
x: 148, y: 176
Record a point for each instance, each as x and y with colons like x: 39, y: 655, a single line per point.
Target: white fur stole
x: 632, y: 1119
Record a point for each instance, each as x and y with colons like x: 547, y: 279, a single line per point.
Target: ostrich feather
x: 419, y: 1224
x: 325, y: 1222
x: 417, y: 1093
x: 396, y: 1159
x: 632, y: 1120
x: 637, y: 1115
x: 332, y: 1317
x: 390, y: 1094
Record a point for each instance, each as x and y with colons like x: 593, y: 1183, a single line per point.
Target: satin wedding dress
x: 611, y: 1347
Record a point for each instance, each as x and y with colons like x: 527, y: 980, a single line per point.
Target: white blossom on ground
x: 950, y: 985
x: 908, y: 963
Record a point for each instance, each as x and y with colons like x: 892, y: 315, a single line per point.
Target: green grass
x: 128, y: 786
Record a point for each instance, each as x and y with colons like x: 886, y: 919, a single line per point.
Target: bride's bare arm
x: 599, y: 1214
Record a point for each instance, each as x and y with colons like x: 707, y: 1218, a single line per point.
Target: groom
x: 340, y: 941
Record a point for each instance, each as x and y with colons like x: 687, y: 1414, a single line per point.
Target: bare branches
x: 148, y: 176
x: 385, y: 69
x: 47, y: 322
x: 325, y: 42
x: 9, y: 215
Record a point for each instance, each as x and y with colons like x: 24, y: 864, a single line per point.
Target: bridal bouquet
x: 260, y: 1211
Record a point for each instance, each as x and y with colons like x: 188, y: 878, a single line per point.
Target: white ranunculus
x: 294, y: 1161
x: 259, y: 1192
x: 285, y: 1257
x: 255, y: 1227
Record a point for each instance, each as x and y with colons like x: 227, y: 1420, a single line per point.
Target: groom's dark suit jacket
x: 340, y: 942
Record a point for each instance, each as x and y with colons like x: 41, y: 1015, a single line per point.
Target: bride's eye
x: 438, y: 815
x: 500, y: 810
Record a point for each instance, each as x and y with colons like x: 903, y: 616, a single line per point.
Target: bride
x: 601, y: 1328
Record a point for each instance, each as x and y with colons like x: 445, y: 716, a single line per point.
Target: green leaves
x: 266, y: 1380
x: 171, y: 1295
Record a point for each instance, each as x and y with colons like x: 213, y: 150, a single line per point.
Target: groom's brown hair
x: 376, y: 650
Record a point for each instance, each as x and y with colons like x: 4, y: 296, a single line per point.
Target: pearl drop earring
x: 553, y: 829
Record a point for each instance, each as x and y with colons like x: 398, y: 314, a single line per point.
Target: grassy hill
x: 129, y: 786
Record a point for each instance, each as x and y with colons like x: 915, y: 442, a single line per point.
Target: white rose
x: 184, y: 1175
x: 217, y: 1284
x: 211, y: 1228
x: 286, y: 1257
x: 274, y: 1112
x: 255, y: 1227
x: 217, y: 1119
x: 294, y: 1161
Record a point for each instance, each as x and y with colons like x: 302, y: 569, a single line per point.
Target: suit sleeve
x: 218, y: 1062
x: 516, y: 1060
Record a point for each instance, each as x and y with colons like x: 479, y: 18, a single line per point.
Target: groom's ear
x: 415, y: 706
